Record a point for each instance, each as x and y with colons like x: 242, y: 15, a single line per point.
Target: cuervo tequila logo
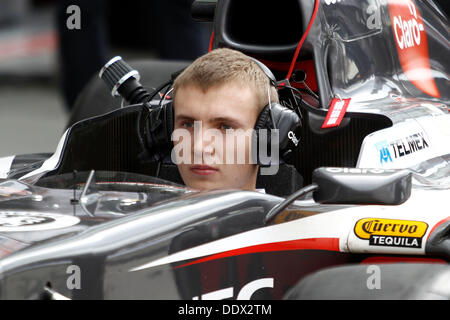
x: 391, y: 232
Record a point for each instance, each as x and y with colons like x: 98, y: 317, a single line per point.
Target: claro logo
x: 412, y: 44
x: 408, y: 32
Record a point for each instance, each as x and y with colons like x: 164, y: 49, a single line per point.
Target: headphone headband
x: 266, y: 70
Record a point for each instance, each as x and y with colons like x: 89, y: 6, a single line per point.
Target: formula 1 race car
x: 359, y: 212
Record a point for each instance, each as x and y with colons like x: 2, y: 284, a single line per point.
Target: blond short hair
x: 223, y: 66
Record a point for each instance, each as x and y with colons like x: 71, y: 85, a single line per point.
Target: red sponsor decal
x: 330, y: 244
x: 412, y: 44
x: 336, y: 113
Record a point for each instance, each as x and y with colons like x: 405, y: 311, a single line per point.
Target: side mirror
x: 361, y: 186
x: 203, y: 10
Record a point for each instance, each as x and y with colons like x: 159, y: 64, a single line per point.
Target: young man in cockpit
x: 217, y: 101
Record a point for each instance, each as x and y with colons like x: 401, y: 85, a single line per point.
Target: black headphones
x: 156, y: 127
x: 156, y: 121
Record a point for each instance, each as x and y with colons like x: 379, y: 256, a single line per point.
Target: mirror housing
x: 362, y: 186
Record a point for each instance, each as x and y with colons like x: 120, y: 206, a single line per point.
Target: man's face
x: 216, y: 120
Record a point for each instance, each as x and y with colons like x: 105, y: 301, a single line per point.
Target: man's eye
x: 224, y: 126
x: 187, y: 124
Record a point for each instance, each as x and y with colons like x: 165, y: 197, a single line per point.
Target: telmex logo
x: 369, y: 227
x: 412, y: 44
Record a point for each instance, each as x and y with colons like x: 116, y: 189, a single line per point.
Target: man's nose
x: 202, y: 140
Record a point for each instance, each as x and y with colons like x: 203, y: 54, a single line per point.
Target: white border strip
x: 52, y: 162
x: 306, y: 228
x: 5, y: 166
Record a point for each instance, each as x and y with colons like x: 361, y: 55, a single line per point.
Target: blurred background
x: 49, y: 50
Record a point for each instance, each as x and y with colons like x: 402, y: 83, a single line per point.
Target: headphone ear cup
x: 286, y: 121
x: 158, y: 133
x: 263, y: 122
x: 288, y: 124
x: 263, y: 119
x: 169, y: 120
